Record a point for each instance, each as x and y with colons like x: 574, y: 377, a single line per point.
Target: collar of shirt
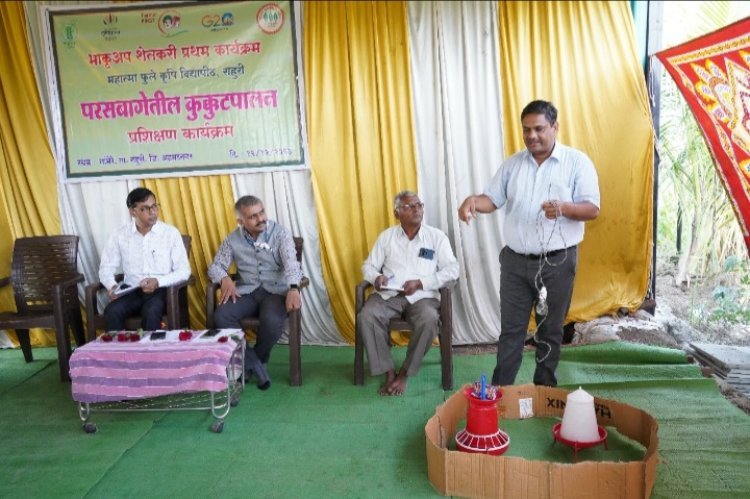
x: 157, y: 228
x: 417, y: 237
x: 557, y: 153
x: 263, y: 238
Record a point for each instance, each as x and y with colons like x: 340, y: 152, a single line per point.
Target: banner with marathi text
x: 162, y: 90
x: 713, y: 73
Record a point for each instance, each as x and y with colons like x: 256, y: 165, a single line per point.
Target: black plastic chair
x: 44, y: 279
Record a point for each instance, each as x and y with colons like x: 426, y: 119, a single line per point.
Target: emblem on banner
x: 111, y: 32
x: 69, y: 35
x: 216, y: 22
x: 270, y: 18
x: 169, y: 23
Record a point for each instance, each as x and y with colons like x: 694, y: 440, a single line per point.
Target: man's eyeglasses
x: 146, y: 208
x: 413, y: 206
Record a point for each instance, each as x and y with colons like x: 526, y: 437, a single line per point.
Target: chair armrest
x: 60, y: 287
x: 173, y: 291
x: 173, y: 301
x: 4, y: 281
x: 58, y: 297
x: 446, y: 304
x: 211, y: 289
x: 359, y: 295
x: 89, y: 297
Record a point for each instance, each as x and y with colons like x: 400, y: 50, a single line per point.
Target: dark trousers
x: 518, y: 295
x: 268, y: 307
x: 149, y: 306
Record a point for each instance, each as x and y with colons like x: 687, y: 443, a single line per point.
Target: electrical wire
x: 541, y: 308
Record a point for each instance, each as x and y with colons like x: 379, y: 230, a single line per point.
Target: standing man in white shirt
x: 548, y: 191
x: 417, y: 259
x: 152, y: 257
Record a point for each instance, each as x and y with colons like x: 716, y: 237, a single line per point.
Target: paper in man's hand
x: 123, y: 289
x: 393, y: 284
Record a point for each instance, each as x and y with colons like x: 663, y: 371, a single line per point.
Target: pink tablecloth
x: 112, y: 371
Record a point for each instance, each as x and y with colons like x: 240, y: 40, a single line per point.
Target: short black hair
x: 541, y: 107
x: 138, y: 195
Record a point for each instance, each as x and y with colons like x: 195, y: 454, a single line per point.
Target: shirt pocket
x: 159, y: 261
x: 426, y: 267
x: 560, y: 192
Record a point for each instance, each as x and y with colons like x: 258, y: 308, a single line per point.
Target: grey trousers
x: 268, y: 307
x: 423, y: 316
x: 518, y: 296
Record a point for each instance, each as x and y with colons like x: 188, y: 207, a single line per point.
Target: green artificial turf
x: 329, y: 438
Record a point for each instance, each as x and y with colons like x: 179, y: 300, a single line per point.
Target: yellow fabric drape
x: 203, y: 208
x: 552, y: 51
x: 29, y: 200
x: 356, y: 60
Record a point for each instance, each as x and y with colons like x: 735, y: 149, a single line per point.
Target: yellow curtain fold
x: 29, y: 199
x: 203, y: 208
x: 553, y: 51
x: 356, y: 60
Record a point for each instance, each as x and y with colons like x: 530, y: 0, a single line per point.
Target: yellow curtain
x: 203, y: 208
x: 30, y: 204
x: 356, y: 60
x: 552, y: 51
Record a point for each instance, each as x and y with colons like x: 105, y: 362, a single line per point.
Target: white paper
x: 525, y: 408
x: 393, y: 284
x: 123, y: 289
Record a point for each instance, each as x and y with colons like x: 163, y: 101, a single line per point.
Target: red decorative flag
x: 713, y: 74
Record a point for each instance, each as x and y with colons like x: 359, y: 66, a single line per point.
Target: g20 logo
x: 216, y: 21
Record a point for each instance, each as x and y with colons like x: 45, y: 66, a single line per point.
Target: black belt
x: 549, y: 253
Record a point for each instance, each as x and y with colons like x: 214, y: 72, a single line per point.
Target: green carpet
x: 329, y: 438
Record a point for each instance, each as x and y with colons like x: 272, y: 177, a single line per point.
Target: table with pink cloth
x: 115, y: 371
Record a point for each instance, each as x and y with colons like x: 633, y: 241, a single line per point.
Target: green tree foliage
x: 697, y: 227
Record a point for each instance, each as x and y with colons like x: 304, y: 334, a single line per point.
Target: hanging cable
x: 541, y: 308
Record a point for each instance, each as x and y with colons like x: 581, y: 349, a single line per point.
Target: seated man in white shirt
x: 418, y: 260
x: 152, y: 257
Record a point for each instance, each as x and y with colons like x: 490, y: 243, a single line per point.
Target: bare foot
x: 389, y: 377
x: 398, y: 385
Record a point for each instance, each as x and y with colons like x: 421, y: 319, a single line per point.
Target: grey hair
x: 401, y: 195
x: 246, y: 201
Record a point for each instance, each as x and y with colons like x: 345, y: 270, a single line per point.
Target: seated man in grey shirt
x: 268, y: 283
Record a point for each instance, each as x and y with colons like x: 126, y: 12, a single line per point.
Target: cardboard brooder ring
x: 481, y: 475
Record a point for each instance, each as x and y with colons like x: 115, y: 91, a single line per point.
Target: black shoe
x: 257, y: 367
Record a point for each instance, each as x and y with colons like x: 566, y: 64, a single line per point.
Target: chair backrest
x: 39, y: 263
x: 298, y: 242
x: 187, y: 241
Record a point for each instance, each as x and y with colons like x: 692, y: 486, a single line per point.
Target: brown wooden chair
x: 293, y: 321
x: 44, y: 279
x: 176, y: 314
x: 445, y: 334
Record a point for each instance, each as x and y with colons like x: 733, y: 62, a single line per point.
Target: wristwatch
x: 294, y: 286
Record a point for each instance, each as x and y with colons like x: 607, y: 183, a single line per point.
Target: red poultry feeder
x: 482, y: 434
